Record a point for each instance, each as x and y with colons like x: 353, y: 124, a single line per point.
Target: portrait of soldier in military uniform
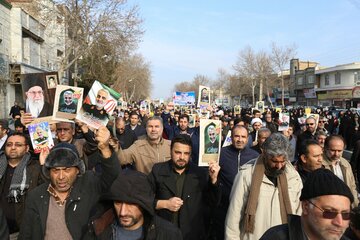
x: 68, y: 103
x: 212, y: 139
x: 98, y: 110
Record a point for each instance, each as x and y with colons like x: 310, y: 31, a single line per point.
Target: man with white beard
x: 98, y: 110
x: 34, y: 90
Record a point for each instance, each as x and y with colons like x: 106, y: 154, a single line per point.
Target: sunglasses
x: 331, y: 214
x: 321, y: 121
x: 309, y: 124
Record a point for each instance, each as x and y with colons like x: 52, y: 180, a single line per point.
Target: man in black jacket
x: 61, y: 209
x: 132, y: 215
x: 184, y: 191
x: 326, y: 203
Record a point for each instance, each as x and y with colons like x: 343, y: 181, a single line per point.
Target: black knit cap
x: 324, y: 182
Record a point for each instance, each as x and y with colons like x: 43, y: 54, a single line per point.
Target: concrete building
x: 302, y: 82
x: 5, y: 53
x: 339, y: 86
x: 33, y: 43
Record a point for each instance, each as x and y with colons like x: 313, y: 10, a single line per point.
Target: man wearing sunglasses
x: 309, y: 133
x: 326, y: 205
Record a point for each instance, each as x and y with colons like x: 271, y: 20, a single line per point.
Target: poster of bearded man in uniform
x: 98, y: 105
x: 210, y: 142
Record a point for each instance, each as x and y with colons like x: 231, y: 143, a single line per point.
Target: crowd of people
x: 138, y: 177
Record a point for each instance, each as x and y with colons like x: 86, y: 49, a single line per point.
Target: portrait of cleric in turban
x: 36, y: 100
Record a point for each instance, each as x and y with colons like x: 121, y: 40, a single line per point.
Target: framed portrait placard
x: 98, y: 106
x: 40, y: 135
x: 260, y: 106
x: 68, y: 101
x: 51, y: 81
x: 210, y: 141
x: 204, y: 96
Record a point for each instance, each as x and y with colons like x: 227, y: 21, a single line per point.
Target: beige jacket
x: 144, y: 155
x: 347, y: 173
x: 268, y: 208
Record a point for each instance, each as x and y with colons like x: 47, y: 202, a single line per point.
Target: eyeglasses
x: 332, y: 214
x: 10, y: 144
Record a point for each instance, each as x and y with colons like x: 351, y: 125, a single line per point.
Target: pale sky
x: 186, y: 38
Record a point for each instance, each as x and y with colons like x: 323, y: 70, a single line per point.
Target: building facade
x: 30, y: 43
x: 339, y: 86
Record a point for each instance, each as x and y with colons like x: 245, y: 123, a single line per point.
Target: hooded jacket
x: 133, y: 187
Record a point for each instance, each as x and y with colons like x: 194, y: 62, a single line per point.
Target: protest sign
x: 210, y: 141
x: 68, y: 101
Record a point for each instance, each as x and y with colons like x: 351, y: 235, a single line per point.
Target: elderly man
x: 263, y: 134
x: 264, y: 192
x: 132, y: 212
x: 34, y: 87
x: 333, y: 160
x: 61, y: 209
x: 144, y: 153
x: 19, y: 174
x: 326, y: 204
x: 183, y: 191
x: 231, y: 159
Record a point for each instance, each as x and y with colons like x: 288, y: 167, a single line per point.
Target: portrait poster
x: 98, y: 105
x: 51, y: 81
x: 68, y: 100
x: 210, y: 141
x: 237, y: 110
x: 184, y: 98
x: 40, y: 135
x: 204, y: 96
x: 307, y: 111
x: 284, y: 121
x: 37, y: 97
x: 260, y: 106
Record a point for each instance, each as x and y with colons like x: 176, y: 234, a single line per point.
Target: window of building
x: 327, y: 79
x: 300, y: 81
x: 356, y: 76
x: 311, y: 79
x: 337, y: 78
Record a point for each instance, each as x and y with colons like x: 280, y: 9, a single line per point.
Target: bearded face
x: 101, y: 99
x: 34, y: 100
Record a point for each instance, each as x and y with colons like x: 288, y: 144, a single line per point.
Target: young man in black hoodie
x: 132, y: 214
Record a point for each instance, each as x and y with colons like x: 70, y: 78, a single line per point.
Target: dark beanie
x: 324, y: 182
x: 33, y: 79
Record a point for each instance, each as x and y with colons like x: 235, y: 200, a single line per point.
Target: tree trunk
x: 282, y: 91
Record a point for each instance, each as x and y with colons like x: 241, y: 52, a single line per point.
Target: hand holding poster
x: 210, y: 143
x: 40, y: 135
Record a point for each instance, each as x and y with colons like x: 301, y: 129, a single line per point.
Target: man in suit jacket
x: 184, y: 191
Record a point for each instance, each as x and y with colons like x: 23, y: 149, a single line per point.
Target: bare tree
x: 281, y: 58
x: 263, y: 71
x: 246, y: 69
x: 133, y: 78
